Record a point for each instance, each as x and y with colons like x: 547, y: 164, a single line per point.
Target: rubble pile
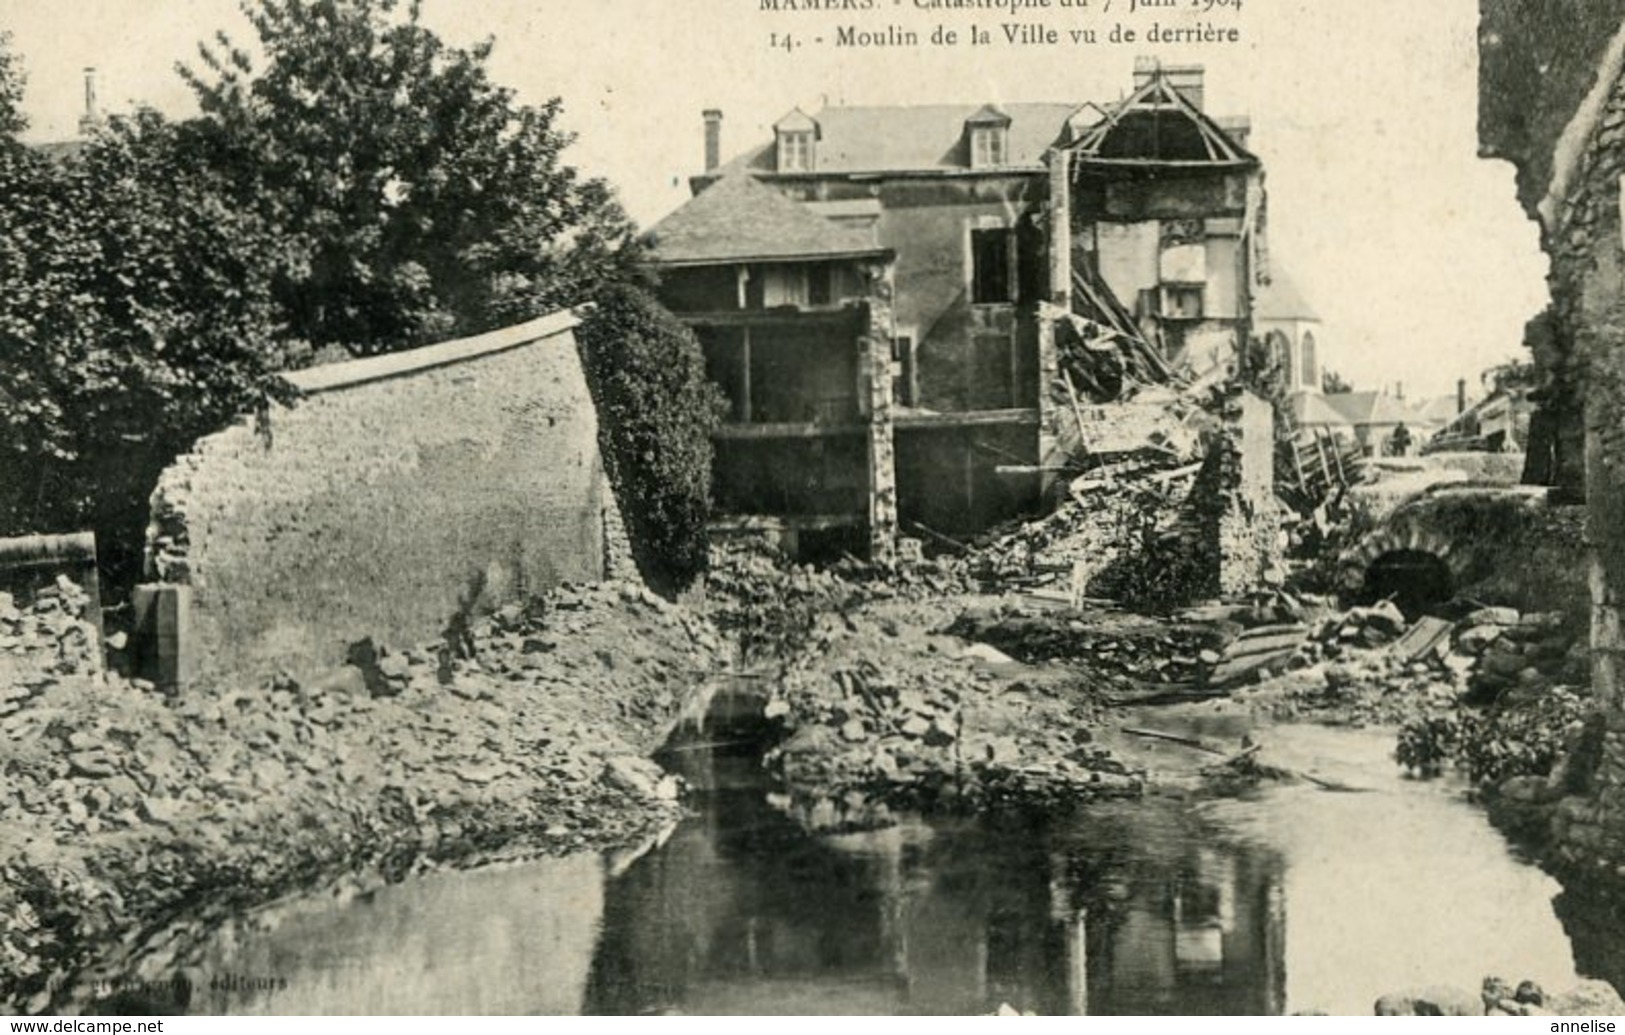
x: 1105, y: 516
x: 883, y: 717
x: 48, y: 637
x: 1519, y: 654
x: 1500, y: 998
x: 1117, y: 651
x: 122, y: 808
x: 884, y: 708
x: 1373, y: 665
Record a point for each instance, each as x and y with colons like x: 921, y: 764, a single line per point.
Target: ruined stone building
x: 1552, y: 102
x: 883, y: 294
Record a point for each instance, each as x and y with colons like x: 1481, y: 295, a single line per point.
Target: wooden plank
x: 1233, y: 672
x: 971, y: 419
x: 737, y: 432
x: 1422, y: 638
x: 1273, y: 630
x: 1267, y: 645
x: 1077, y: 410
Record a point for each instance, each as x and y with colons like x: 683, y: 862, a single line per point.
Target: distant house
x: 1498, y: 423
x: 1432, y: 415
x: 877, y: 290
x: 1372, y: 418
x: 1312, y: 411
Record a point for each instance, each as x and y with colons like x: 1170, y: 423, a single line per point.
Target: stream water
x: 1287, y: 900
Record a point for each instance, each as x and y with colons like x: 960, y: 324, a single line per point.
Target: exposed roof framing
x: 1157, y: 125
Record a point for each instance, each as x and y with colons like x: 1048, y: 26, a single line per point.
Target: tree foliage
x: 1332, y: 383
x: 657, y: 411
x: 368, y: 189
x: 12, y: 81
x: 422, y: 200
x: 135, y: 314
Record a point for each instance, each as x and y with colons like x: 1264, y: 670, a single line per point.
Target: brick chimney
x: 92, y: 118
x: 713, y: 139
x: 1461, y: 396
x: 1189, y: 80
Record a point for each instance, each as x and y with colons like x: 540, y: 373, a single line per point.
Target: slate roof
x: 1313, y: 409
x: 917, y: 138
x: 737, y: 219
x: 1281, y: 300
x: 1370, y: 408
x: 1440, y: 409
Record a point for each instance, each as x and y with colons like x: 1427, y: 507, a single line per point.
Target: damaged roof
x: 1159, y: 125
x: 737, y: 219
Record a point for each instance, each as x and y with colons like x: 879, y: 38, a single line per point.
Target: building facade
x: 880, y: 293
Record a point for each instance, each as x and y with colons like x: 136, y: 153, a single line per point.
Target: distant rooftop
x: 1281, y: 300
x: 738, y: 219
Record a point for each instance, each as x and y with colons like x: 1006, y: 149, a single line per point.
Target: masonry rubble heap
x: 1140, y: 458
x: 48, y: 637
x: 1374, y: 658
x: 537, y: 726
x: 887, y: 707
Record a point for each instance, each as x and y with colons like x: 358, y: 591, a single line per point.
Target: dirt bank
x: 125, y: 813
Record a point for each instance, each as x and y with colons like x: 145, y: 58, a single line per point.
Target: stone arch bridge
x: 1503, y: 545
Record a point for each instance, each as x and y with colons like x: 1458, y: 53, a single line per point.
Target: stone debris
x: 1499, y: 998
x: 533, y: 739
x: 882, y: 714
x: 44, y: 640
x: 1490, y: 655
x: 1123, y: 654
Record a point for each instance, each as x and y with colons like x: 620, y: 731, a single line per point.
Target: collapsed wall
x: 398, y: 492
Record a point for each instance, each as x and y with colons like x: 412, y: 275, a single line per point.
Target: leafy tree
x: 12, y: 81
x: 656, y: 411
x: 370, y: 190
x: 135, y: 315
x: 1332, y: 383
x: 425, y: 203
x: 1517, y: 377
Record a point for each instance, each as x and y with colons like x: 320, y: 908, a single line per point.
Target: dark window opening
x: 820, y: 284
x: 904, y: 388
x: 990, y: 267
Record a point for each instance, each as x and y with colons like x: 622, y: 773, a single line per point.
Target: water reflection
x: 1151, y: 907
x: 741, y: 913
x: 511, y: 940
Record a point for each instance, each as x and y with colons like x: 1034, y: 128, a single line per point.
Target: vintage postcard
x: 863, y: 507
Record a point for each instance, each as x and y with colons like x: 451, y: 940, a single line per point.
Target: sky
x: 1412, y: 249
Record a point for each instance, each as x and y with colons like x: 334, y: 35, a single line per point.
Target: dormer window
x: 797, y: 136
x: 988, y: 146
x: 796, y: 152
x: 989, y: 132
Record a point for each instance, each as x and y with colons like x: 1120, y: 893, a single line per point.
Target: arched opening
x: 1280, y: 350
x: 1311, y: 362
x: 1414, y: 579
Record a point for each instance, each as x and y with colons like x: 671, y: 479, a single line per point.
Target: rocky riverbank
x: 918, y: 690
x: 126, y: 813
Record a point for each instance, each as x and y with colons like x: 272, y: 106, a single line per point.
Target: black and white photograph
x: 927, y: 508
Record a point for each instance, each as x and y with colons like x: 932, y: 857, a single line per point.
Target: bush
x: 656, y: 412
x: 1492, y: 745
